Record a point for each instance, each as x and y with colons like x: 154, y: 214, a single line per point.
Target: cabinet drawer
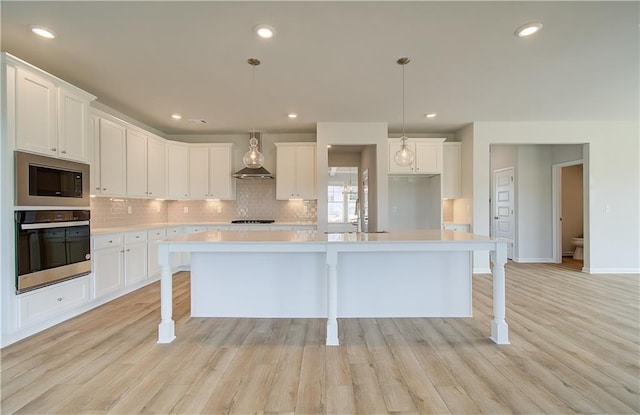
x: 46, y: 302
x: 175, y: 231
x: 196, y: 229
x: 156, y: 234
x: 133, y: 237
x: 107, y: 241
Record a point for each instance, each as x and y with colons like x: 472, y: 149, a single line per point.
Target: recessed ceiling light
x: 292, y: 115
x: 265, y: 31
x: 431, y: 115
x: 43, y: 31
x: 528, y: 29
x: 176, y: 116
x: 328, y: 145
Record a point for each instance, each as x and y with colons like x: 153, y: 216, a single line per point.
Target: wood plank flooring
x: 574, y: 349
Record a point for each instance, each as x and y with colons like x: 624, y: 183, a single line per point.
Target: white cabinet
x: 177, y: 258
x: 153, y: 267
x: 108, y: 264
x: 295, y: 171
x: 451, y: 173
x: 110, y: 180
x: 119, y: 261
x: 135, y: 257
x: 48, y: 302
x: 156, y: 167
x: 74, y: 141
x: 145, y: 165
x: 51, y: 118
x: 177, y: 170
x: 136, y: 164
x: 428, y: 156
x: 210, y: 172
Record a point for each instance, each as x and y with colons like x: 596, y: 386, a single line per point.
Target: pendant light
x: 404, y: 156
x: 253, y: 158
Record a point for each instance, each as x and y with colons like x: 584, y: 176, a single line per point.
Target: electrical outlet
x: 219, y: 209
x: 186, y: 209
x: 129, y: 210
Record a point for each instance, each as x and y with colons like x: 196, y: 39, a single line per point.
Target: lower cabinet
x: 42, y: 304
x: 119, y: 261
x: 153, y: 267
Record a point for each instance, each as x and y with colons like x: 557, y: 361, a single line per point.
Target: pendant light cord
x: 403, y: 134
x: 253, y: 94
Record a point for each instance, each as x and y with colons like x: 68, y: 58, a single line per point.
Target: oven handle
x: 49, y: 225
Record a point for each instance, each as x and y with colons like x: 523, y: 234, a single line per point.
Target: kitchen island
x: 305, y: 274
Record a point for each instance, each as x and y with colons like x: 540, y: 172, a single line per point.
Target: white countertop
x: 143, y: 227
x: 265, y: 237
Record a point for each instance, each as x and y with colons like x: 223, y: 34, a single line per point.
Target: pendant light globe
x: 404, y: 156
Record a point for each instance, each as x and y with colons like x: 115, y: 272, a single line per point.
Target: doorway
x: 568, y: 211
x: 343, y: 213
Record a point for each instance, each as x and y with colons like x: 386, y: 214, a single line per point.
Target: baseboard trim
x: 534, y: 260
x: 478, y: 270
x: 611, y: 270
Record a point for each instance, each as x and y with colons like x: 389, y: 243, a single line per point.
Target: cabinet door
x: 198, y: 173
x: 107, y: 268
x: 35, y: 114
x: 306, y: 172
x: 94, y: 136
x: 285, y: 173
x: 73, y: 135
x: 428, y: 158
x: 177, y: 171
x: 153, y: 267
x: 136, y: 163
x: 221, y: 183
x: 112, y: 158
x: 156, y: 167
x: 451, y: 170
x: 135, y: 263
x: 394, y: 146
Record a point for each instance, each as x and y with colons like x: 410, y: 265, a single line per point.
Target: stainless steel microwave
x: 46, y: 181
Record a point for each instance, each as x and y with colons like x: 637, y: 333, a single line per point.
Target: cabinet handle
x: 128, y: 250
x: 97, y: 188
x: 64, y: 151
x: 59, y: 298
x: 53, y: 149
x: 122, y: 251
x: 104, y: 188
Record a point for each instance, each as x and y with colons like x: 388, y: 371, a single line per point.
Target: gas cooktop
x: 253, y: 221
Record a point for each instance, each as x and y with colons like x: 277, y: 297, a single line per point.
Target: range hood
x: 250, y: 173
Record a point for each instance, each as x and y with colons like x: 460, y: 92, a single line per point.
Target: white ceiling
x: 336, y: 61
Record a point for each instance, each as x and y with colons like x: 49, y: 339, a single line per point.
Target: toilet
x: 578, y: 243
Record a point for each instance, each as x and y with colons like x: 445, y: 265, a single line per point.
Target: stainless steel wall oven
x: 51, y: 246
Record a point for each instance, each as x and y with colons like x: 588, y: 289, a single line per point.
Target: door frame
x: 492, y: 209
x: 556, y: 203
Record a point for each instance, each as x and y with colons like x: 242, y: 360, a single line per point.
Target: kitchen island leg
x: 499, y: 327
x: 166, y: 328
x: 332, y: 298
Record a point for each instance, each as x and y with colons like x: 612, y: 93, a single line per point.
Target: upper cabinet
x: 451, y: 169
x: 51, y: 116
x: 210, y: 172
x: 428, y: 156
x: 109, y: 178
x: 145, y: 167
x: 296, y: 171
x: 177, y: 170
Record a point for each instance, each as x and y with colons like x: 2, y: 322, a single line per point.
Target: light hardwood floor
x: 574, y: 349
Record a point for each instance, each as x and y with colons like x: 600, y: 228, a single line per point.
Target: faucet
x: 357, y: 213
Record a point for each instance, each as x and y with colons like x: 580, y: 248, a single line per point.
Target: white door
x: 503, y: 206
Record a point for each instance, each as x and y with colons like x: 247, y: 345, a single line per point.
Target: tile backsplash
x: 255, y: 199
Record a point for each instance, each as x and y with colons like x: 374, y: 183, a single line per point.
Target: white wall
x: 611, y: 166
x: 355, y: 133
x: 414, y: 202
